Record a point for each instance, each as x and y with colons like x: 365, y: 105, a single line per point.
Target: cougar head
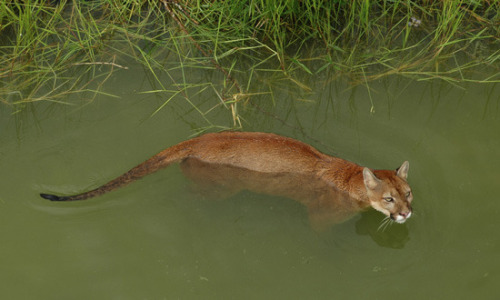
x: 388, y: 192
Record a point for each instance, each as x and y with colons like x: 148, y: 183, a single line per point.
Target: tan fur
x: 277, y: 165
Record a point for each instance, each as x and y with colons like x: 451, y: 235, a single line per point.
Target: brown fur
x: 277, y: 165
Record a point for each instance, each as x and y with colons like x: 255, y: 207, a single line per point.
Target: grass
x: 49, y: 50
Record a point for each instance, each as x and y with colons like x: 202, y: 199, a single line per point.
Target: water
x: 157, y: 239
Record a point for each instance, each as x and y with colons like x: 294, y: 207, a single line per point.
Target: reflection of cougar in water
x: 331, y: 188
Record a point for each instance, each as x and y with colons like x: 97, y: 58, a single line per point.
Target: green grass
x: 50, y: 50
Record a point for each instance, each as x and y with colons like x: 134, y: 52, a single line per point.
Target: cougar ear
x: 371, y: 181
x: 403, y: 170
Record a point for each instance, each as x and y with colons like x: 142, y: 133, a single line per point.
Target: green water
x: 156, y: 239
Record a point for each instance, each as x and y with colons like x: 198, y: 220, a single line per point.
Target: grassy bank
x: 51, y: 49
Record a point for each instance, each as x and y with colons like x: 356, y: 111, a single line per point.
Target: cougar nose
x: 405, y: 215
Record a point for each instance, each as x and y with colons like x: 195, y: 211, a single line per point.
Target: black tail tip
x: 53, y: 197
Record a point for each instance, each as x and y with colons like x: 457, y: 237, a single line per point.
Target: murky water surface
x: 157, y: 239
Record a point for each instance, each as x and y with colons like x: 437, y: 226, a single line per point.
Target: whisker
x: 384, y: 224
x: 381, y: 227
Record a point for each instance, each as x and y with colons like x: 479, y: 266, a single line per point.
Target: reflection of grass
x: 249, y: 46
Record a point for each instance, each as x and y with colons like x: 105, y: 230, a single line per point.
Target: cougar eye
x: 389, y: 199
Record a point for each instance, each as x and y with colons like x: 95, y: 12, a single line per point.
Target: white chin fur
x: 400, y: 219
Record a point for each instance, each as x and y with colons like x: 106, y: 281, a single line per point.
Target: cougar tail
x: 155, y: 163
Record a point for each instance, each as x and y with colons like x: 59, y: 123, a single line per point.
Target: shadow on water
x: 394, y: 237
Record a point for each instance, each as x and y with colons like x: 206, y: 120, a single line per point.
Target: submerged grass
x: 51, y: 49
